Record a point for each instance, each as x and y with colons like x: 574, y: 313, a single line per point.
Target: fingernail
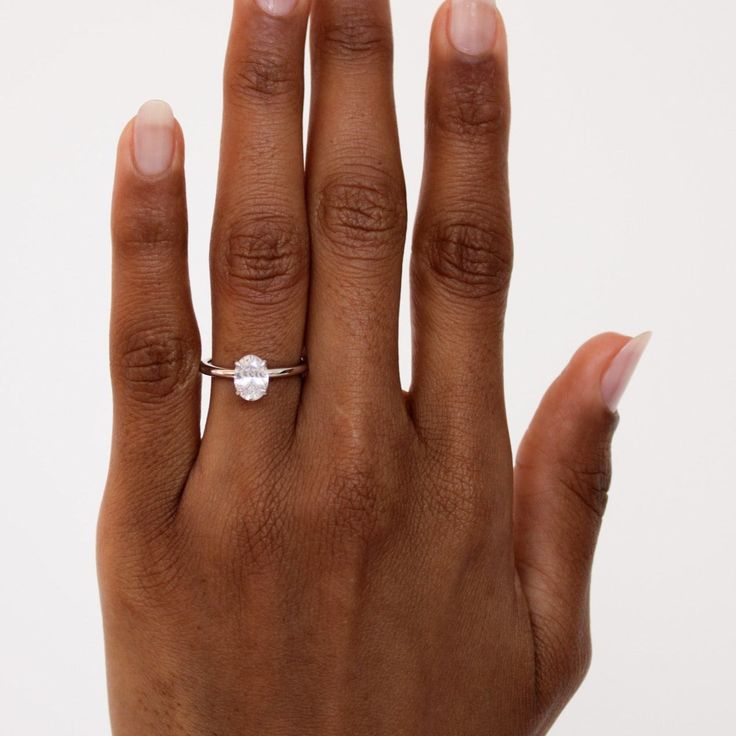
x: 277, y: 7
x: 154, y: 138
x: 473, y: 26
x: 619, y: 373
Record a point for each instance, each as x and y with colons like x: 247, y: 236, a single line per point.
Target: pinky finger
x: 154, y: 341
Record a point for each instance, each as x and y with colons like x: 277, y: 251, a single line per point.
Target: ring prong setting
x: 251, y: 375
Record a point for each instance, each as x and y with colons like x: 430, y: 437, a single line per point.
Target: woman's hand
x: 341, y: 557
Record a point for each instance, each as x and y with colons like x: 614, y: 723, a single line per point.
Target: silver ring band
x: 251, y: 375
x: 214, y: 371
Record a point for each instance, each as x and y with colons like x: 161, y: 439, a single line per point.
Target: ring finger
x: 259, y: 253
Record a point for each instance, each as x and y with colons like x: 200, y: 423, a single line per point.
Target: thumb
x: 562, y: 475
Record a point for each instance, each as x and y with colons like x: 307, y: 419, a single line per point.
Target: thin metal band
x: 216, y: 371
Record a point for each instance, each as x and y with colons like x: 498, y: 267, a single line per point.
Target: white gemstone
x: 251, y: 378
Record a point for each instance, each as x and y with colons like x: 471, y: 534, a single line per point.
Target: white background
x: 623, y: 180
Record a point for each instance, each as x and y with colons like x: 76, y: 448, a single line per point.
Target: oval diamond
x: 251, y: 378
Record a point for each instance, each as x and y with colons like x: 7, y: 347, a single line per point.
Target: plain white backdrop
x: 623, y: 171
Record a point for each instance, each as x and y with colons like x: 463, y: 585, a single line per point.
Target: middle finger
x: 356, y: 203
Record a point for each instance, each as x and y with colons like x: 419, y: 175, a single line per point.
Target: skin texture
x: 341, y: 557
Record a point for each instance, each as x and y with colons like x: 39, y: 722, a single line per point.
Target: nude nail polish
x: 472, y: 26
x: 277, y: 7
x: 154, y: 138
x: 619, y: 373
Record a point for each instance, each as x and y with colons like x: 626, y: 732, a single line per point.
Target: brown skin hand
x: 340, y: 557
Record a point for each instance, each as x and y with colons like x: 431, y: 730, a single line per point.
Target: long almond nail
x: 619, y: 373
x: 473, y: 25
x: 154, y: 138
x: 277, y: 7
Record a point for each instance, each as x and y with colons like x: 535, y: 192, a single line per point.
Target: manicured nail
x: 277, y: 7
x: 154, y: 138
x: 473, y: 26
x: 619, y: 373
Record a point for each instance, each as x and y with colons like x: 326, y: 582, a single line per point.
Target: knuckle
x: 572, y: 666
x: 356, y: 34
x: 354, y: 505
x: 263, y: 259
x: 155, y: 363
x: 473, y: 107
x: 362, y: 217
x: 563, y: 664
x: 469, y: 256
x: 264, y: 77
